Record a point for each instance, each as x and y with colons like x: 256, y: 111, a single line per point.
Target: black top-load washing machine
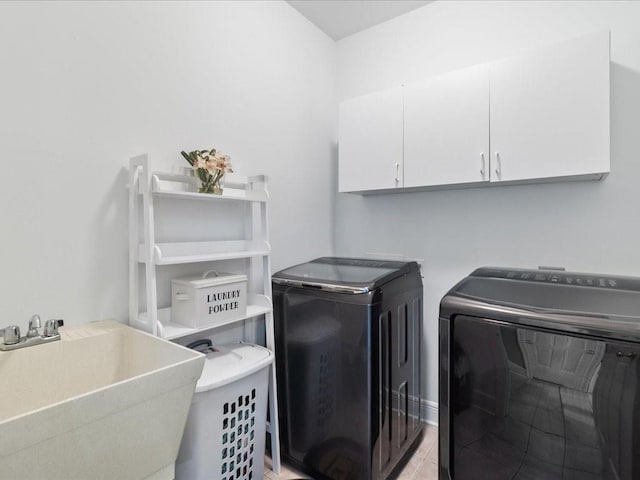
x: 540, y: 377
x: 348, y: 334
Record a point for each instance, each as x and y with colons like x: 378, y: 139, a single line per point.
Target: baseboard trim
x: 429, y: 412
x: 428, y: 409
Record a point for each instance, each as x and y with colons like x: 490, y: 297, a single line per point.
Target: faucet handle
x: 11, y: 334
x: 51, y: 327
x: 34, y: 326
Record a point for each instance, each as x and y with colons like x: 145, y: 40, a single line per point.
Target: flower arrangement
x: 210, y: 167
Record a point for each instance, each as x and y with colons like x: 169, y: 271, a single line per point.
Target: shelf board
x: 259, y: 305
x: 194, y: 252
x: 185, y: 186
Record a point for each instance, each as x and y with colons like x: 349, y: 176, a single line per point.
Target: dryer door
x: 533, y: 404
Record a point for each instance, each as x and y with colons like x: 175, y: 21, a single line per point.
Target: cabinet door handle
x: 498, y: 165
x: 397, y: 173
x: 482, y: 170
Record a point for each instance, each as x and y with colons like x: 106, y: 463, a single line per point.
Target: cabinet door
x: 446, y: 129
x: 370, y: 142
x: 550, y: 111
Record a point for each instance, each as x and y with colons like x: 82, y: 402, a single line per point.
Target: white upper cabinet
x: 370, y: 146
x: 550, y: 112
x: 540, y: 116
x: 446, y: 129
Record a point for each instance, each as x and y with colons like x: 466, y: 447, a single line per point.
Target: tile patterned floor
x: 421, y: 466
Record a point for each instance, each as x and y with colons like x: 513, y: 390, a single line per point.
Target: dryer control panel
x: 560, y: 277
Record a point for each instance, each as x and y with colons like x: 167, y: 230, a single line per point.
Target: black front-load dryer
x: 540, y: 377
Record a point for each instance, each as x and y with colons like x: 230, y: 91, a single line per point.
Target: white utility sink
x: 105, y: 402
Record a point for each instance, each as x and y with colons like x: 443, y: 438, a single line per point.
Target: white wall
x: 85, y: 86
x: 590, y: 226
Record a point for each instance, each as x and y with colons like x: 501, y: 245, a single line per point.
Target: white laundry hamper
x: 225, y: 434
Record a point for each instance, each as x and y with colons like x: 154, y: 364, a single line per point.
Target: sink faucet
x: 12, y: 339
x: 34, y: 325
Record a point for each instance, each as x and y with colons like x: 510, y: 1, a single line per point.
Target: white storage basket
x: 206, y: 300
x: 225, y: 433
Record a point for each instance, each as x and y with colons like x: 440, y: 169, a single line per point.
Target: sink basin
x: 105, y: 402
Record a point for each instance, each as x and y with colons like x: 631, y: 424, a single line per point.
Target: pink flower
x: 223, y: 163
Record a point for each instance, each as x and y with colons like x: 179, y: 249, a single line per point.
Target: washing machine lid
x: 588, y: 303
x: 344, y: 275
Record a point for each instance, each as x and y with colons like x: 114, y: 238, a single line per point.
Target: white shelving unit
x: 144, y: 188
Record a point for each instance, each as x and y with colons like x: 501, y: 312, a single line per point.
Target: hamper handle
x: 206, y: 274
x: 203, y: 342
